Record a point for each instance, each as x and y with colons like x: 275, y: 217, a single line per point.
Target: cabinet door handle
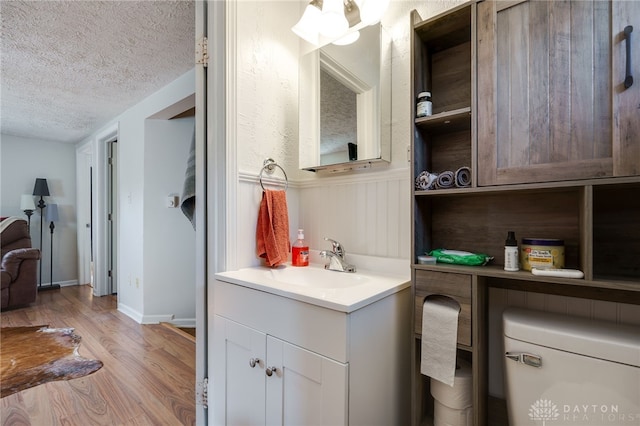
x: 253, y: 362
x: 271, y: 370
x: 628, y: 79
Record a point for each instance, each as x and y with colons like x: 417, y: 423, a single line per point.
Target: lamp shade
x: 307, y: 26
x: 26, y: 202
x: 52, y: 213
x: 351, y: 37
x: 333, y: 22
x: 41, y: 188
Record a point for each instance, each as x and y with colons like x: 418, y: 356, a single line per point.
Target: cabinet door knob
x: 253, y: 362
x: 271, y: 370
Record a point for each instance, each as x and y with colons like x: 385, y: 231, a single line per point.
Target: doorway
x: 84, y: 179
x: 112, y: 208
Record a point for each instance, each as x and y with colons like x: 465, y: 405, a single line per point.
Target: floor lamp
x: 52, y: 216
x: 41, y: 189
x: 27, y: 206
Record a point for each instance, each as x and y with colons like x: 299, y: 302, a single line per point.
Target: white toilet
x: 562, y: 370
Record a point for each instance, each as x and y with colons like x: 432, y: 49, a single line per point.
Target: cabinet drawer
x: 455, y: 286
x: 315, y: 328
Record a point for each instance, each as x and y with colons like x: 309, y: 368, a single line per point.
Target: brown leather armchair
x: 19, y: 264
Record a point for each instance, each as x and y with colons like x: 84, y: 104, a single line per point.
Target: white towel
x: 439, y: 337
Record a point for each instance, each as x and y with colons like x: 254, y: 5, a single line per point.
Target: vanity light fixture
x: 333, y: 19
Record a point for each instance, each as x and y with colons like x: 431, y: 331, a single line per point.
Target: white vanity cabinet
x: 328, y: 366
x: 268, y: 381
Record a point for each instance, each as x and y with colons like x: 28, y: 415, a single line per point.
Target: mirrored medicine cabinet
x: 345, y: 104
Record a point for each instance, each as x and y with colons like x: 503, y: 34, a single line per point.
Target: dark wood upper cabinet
x: 551, y: 103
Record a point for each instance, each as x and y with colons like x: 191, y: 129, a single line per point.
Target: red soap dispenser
x: 300, y: 251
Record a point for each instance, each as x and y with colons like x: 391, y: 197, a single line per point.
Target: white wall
x: 169, y: 236
x: 135, y: 291
x: 267, y: 113
x: 24, y: 160
x: 369, y: 212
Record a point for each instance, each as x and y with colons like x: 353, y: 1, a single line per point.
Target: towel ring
x: 269, y: 166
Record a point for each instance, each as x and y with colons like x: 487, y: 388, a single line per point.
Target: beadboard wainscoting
x: 368, y: 212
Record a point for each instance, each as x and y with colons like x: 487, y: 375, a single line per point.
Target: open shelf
x: 447, y: 121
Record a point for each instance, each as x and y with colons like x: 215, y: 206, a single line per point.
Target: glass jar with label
x: 424, y: 106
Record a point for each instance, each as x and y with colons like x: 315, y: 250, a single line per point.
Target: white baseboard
x: 155, y: 319
x: 184, y: 322
x: 131, y: 313
x: 68, y: 283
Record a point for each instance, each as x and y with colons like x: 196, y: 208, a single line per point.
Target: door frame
x: 101, y: 285
x: 112, y: 216
x: 215, y: 183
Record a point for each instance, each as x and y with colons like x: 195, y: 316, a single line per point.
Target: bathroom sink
x: 343, y: 291
x: 315, y: 277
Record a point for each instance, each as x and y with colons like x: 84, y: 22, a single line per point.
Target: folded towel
x: 463, y: 177
x: 425, y: 180
x: 445, y: 180
x: 272, y: 230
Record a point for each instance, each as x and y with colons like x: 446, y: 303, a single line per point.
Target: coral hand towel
x: 272, y: 231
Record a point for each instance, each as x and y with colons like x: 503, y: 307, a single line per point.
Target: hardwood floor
x: 148, y: 377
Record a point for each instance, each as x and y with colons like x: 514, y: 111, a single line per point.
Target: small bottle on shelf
x: 511, y: 253
x: 300, y: 251
x: 424, y: 106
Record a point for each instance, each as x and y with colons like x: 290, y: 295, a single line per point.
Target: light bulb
x: 333, y: 23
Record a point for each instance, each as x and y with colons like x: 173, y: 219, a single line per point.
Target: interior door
x: 201, y: 219
x: 210, y: 217
x: 84, y: 181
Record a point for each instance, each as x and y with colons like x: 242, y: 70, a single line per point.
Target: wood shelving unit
x: 597, y: 215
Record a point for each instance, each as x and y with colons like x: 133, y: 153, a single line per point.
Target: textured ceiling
x: 68, y: 67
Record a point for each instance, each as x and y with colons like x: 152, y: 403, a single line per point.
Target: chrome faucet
x: 337, y: 261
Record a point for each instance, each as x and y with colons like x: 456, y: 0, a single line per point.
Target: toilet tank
x: 563, y: 370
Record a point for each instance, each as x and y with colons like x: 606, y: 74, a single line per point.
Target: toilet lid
x: 598, y: 339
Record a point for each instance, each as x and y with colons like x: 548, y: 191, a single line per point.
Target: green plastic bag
x: 457, y: 257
